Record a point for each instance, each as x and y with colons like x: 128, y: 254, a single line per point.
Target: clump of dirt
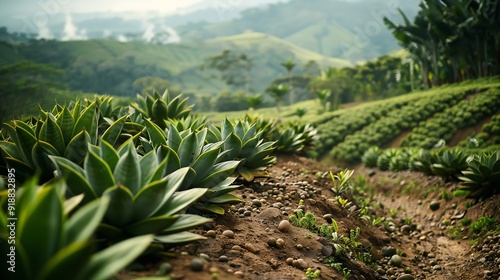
x: 250, y: 241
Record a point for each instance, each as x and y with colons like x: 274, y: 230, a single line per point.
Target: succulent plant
x: 205, y: 161
x: 243, y: 142
x: 60, y: 132
x: 160, y: 108
x: 143, y: 196
x: 370, y: 157
x: 53, y: 241
x: 482, y: 176
x: 450, y: 163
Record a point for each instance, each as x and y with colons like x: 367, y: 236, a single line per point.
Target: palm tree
x: 289, y: 65
x: 278, y: 92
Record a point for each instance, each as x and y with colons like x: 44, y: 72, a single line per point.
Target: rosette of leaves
x: 370, y: 157
x: 482, y: 177
x: 295, y: 138
x: 60, y: 132
x: 399, y: 161
x: 53, y: 241
x: 450, y: 163
x: 143, y: 196
x: 384, y: 159
x: 160, y: 108
x: 243, y: 142
x: 423, y: 160
x: 207, y: 169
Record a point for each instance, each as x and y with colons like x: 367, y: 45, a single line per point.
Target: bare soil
x: 403, y: 197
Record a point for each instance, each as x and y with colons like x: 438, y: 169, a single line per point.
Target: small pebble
x: 164, y: 269
x: 434, y: 205
x: 395, y: 260
x: 406, y: 277
x: 211, y: 233
x: 205, y: 257
x: 284, y: 226
x: 239, y: 274
x: 223, y: 258
x: 228, y: 233
x: 197, y: 265
x: 250, y: 248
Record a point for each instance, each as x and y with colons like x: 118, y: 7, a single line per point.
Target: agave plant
x: 295, y: 138
x: 53, y: 243
x: 143, y: 197
x: 450, y: 163
x: 482, y: 177
x: 242, y: 141
x: 160, y: 108
x: 370, y: 157
x: 206, y: 169
x: 422, y: 161
x: 60, y: 132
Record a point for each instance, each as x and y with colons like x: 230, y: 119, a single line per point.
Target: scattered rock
x: 239, y: 274
x: 228, y: 233
x: 300, y: 263
x: 211, y: 234
x: 250, y: 248
x: 388, y: 251
x: 256, y: 203
x: 197, y: 265
x: 164, y: 269
x: 434, y: 205
x: 284, y: 226
x: 396, y: 260
x: 223, y: 258
x: 204, y: 256
x: 406, y: 277
x: 327, y: 250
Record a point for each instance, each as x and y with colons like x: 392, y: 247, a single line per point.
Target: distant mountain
x: 351, y: 30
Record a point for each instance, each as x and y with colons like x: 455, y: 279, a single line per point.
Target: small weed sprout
x: 310, y: 274
x: 341, y: 181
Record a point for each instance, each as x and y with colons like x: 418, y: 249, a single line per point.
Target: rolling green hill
x: 350, y: 30
x: 108, y: 66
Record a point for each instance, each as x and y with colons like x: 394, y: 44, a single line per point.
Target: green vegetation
x: 155, y: 181
x: 452, y: 40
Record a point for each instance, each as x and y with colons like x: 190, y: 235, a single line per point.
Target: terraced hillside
x: 419, y: 119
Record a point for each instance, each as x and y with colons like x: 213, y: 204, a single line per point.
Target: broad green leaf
x: 246, y: 173
x: 156, y: 134
x: 227, y: 129
x: 108, y: 262
x: 211, y: 208
x: 74, y: 175
x: 77, y: 148
x: 120, y: 207
x: 204, y: 163
x: 71, y: 203
x: 180, y: 201
x: 153, y: 225
x: 187, y: 149
x: 218, y: 174
x: 26, y: 142
x: 128, y: 171
x: 179, y: 238
x: 174, y: 181
x: 173, y: 161
x: 186, y: 222
x: 233, y: 144
x: 108, y: 154
x: 148, y: 164
x: 40, y: 227
x: 148, y: 199
x: 51, y: 133
x: 40, y: 153
x: 87, y: 121
x: 66, y: 122
x: 98, y: 173
x: 113, y: 132
x: 68, y: 262
x: 225, y: 199
x: 84, y: 222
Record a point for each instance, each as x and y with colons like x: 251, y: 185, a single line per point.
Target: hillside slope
x: 346, y: 29
x: 109, y: 66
